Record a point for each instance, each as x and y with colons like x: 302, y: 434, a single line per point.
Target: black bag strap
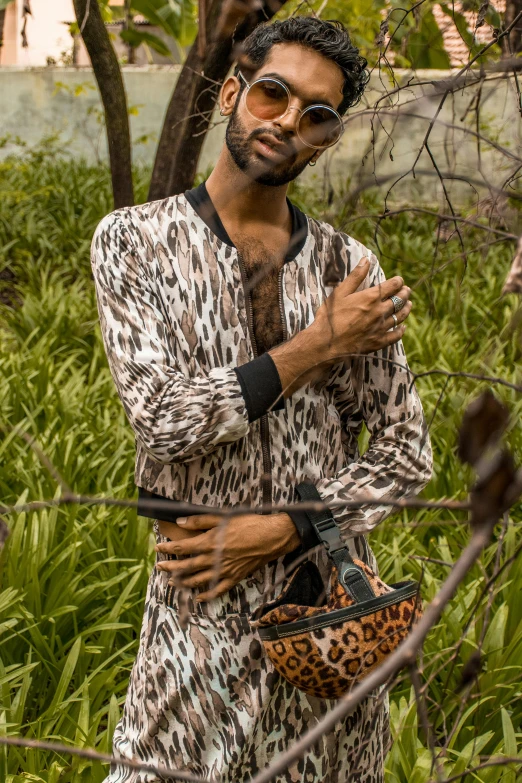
x: 351, y: 576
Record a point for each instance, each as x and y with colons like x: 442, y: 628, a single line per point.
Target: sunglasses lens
x: 319, y: 126
x: 267, y: 100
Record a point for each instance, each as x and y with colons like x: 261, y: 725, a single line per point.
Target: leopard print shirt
x: 174, y: 322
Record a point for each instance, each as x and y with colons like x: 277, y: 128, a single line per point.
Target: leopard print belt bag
x: 324, y: 644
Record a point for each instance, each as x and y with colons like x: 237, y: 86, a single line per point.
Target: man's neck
x: 239, y: 201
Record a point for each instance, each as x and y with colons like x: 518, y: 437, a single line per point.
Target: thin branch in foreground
x: 44, y: 459
x: 474, y: 376
x: 491, y: 762
x: 181, y: 508
x: 422, y: 711
x: 88, y: 753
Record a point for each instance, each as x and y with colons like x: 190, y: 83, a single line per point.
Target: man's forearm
x: 301, y: 359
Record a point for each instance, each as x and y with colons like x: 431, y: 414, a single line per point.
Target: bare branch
x: 88, y: 753
x: 177, y: 507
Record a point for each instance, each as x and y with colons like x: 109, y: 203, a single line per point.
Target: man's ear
x: 229, y: 94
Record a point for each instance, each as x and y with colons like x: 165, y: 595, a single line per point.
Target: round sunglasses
x: 267, y: 99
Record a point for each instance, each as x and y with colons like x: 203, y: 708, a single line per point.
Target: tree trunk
x: 110, y: 83
x: 512, y: 43
x: 193, y: 100
x: 128, y: 25
x: 75, y: 38
x: 2, y: 23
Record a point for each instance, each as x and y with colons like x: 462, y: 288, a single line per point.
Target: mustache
x: 289, y: 146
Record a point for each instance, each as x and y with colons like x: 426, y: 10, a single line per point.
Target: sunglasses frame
x: 289, y: 108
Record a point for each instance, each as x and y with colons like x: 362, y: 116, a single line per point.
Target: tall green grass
x: 73, y: 579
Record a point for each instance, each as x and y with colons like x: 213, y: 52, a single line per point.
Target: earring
x: 222, y: 112
x: 312, y: 163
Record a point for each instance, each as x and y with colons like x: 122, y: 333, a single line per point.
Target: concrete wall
x: 39, y: 101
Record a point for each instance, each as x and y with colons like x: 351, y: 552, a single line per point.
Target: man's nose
x: 288, y: 122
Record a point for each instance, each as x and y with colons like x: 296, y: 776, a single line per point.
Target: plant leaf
x: 136, y: 37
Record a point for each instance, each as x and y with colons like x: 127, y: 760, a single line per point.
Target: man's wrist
x: 298, y: 359
x: 289, y: 536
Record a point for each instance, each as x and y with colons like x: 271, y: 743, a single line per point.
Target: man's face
x: 311, y: 79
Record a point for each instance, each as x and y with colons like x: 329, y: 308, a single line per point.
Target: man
x: 244, y: 371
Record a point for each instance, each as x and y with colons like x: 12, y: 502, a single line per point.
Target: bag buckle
x: 331, y: 539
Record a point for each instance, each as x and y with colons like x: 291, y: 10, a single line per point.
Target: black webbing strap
x: 352, y: 578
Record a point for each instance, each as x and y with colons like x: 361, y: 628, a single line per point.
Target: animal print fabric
x: 327, y: 660
x: 174, y: 324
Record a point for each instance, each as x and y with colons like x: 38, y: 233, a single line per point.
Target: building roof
x: 136, y: 19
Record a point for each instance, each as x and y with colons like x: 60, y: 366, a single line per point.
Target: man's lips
x: 271, y: 147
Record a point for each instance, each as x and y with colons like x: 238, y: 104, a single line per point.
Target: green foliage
x: 362, y: 19
x: 81, y: 88
x: 176, y: 17
x: 74, y: 578
x: 416, y: 40
x: 137, y: 37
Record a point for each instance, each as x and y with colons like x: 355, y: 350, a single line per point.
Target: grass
x: 74, y: 579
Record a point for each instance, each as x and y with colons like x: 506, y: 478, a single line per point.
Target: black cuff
x: 305, y: 529
x: 261, y: 386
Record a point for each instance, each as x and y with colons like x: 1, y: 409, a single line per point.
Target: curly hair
x: 328, y: 37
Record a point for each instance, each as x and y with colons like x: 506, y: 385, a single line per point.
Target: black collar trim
x: 201, y: 203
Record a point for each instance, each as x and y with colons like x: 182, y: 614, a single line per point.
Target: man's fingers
x: 222, y: 587
x: 401, y: 316
x: 196, y: 545
x: 393, y: 336
x: 391, y: 287
x: 351, y: 283
x: 403, y: 293
x: 199, y: 521
x: 186, y: 566
x: 197, y: 580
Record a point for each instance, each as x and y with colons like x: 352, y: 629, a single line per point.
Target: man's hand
x: 227, y: 554
x: 355, y: 322
x: 349, y: 322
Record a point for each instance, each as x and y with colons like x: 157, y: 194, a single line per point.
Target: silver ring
x: 398, y: 303
x: 395, y: 321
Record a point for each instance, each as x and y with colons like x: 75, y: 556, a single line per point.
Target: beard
x: 264, y: 172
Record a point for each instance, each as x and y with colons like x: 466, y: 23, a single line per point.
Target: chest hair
x: 262, y: 268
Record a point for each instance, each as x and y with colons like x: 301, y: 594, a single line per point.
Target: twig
x: 425, y: 721
x: 422, y: 210
x: 181, y: 508
x: 44, y: 459
x: 88, y: 753
x: 473, y: 375
x: 431, y: 560
x: 492, y: 762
